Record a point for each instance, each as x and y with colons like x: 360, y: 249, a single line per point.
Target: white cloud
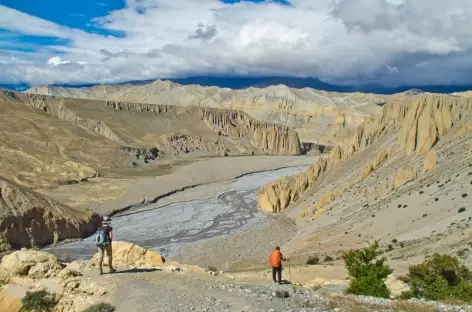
x: 385, y: 41
x: 56, y: 61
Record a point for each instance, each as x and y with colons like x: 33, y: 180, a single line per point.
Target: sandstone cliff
x: 50, y: 140
x: 417, y: 126
x: 29, y: 219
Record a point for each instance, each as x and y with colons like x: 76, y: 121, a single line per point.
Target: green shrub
x: 313, y: 260
x: 328, y: 258
x: 38, y: 301
x: 390, y: 247
x: 367, y: 271
x: 100, y: 307
x: 441, y: 278
x: 282, y: 294
x: 212, y: 268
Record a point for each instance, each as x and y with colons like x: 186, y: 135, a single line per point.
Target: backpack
x: 101, y: 237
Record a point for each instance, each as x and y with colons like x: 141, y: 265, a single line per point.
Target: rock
x: 277, y: 195
x: 403, y: 176
x: 4, y: 276
x: 53, y: 221
x: 430, y: 161
x: 381, y: 156
x: 31, y: 263
x: 68, y: 273
x: 10, y: 298
x: 366, y: 172
x: 131, y: 255
x: 396, y: 286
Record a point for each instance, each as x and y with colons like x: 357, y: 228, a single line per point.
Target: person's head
x: 106, y: 220
x: 277, y: 248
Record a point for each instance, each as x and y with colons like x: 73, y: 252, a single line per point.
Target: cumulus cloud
x: 341, y: 41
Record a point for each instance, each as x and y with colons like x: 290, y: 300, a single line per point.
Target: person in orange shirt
x: 275, y: 261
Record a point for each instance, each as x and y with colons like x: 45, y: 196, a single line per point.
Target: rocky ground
x: 144, y: 283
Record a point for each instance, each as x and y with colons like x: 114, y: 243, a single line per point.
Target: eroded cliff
x: 29, y: 219
x: 417, y: 127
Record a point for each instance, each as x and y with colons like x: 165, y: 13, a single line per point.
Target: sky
x: 390, y: 42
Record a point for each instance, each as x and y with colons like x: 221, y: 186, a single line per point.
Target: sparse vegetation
x: 212, y: 268
x: 313, y: 260
x: 368, y: 272
x: 100, y: 307
x: 441, y: 278
x: 464, y: 195
x: 38, y: 301
x: 394, y: 240
x: 462, y: 209
x: 390, y: 247
x: 328, y: 258
x: 282, y: 294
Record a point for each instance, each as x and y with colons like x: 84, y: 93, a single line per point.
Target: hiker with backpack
x: 103, y: 239
x: 275, y: 261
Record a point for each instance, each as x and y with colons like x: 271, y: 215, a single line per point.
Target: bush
x: 368, y: 273
x: 212, y: 268
x: 38, y: 301
x: 100, y: 307
x: 282, y: 294
x: 313, y: 260
x: 442, y: 278
x: 328, y: 258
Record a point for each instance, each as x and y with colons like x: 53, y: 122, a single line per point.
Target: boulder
x: 4, y: 275
x: 403, y: 176
x: 131, y: 255
x: 31, y: 263
x: 430, y: 161
x: 381, y: 156
x: 366, y: 172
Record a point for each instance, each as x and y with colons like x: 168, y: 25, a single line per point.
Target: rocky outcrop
x: 30, y: 271
x: 185, y: 143
x: 430, y: 161
x: 420, y: 125
x: 31, y: 263
x: 403, y: 176
x: 268, y: 138
x: 131, y: 255
x: 431, y: 117
x: 55, y: 106
x: 29, y: 219
x: 278, y: 195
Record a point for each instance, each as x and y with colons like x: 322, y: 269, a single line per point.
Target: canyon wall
x: 29, y: 219
x: 418, y: 127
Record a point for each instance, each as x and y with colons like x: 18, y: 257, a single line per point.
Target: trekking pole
x: 290, y: 271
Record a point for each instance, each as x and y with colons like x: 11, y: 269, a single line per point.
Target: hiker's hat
x: 106, y: 219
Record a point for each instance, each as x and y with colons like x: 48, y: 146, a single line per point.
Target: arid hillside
x: 49, y: 140
x: 318, y: 116
x: 405, y: 179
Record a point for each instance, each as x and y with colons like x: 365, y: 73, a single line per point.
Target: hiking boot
x: 100, y: 272
x: 112, y: 270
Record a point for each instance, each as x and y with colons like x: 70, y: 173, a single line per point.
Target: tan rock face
x: 431, y: 117
x: 31, y: 263
x: 366, y: 172
x: 30, y: 219
x: 430, y: 161
x: 403, y: 176
x: 420, y: 125
x: 277, y: 196
x: 131, y: 255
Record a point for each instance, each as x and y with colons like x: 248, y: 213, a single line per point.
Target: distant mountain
x: 262, y: 82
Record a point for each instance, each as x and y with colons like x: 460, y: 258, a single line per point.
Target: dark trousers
x: 277, y: 271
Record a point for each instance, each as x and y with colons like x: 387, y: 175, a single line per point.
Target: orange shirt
x: 275, y: 258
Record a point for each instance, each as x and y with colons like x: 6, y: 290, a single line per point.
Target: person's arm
x: 110, y: 233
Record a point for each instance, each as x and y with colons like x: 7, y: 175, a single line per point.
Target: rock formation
x: 131, y: 255
x: 431, y: 117
x: 430, y: 161
x: 403, y: 176
x: 417, y: 128
x: 29, y: 219
x: 277, y: 195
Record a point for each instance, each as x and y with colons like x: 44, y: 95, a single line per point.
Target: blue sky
x: 341, y: 41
